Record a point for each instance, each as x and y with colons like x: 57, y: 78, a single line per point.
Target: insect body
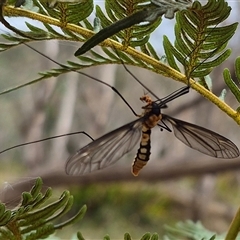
x: 109, y: 148
x: 153, y: 115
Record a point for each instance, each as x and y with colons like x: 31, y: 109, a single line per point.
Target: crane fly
x: 109, y: 148
x: 157, y: 9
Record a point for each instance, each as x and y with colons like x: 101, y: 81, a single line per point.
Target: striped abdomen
x: 143, y: 152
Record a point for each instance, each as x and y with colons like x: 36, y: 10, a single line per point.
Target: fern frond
x: 146, y: 236
x: 34, y: 221
x: 106, y: 237
x: 200, y: 42
x: 80, y: 236
x: 155, y: 236
x: 73, y: 12
x: 66, y: 16
x: 5, y: 215
x: 127, y: 236
x: 234, y: 88
x: 191, y: 230
x: 135, y: 35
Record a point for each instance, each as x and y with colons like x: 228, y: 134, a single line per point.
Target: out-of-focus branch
x: 167, y: 171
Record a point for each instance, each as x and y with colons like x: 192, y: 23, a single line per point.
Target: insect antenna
x: 84, y: 74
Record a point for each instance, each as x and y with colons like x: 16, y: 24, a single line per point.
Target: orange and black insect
x: 109, y: 148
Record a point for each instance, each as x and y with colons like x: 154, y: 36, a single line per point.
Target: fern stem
x: 217, y: 101
x: 234, y: 227
x: 11, y: 11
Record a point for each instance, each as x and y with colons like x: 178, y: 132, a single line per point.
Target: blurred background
x: 178, y: 183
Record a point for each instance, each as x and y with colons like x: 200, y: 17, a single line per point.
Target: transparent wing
x: 105, y: 150
x: 202, y: 139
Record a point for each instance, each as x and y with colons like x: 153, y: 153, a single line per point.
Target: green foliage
x: 199, y: 44
x: 66, y: 13
x: 191, y: 231
x: 33, y: 219
x: 61, y: 15
x: 199, y: 41
x: 137, y: 35
x: 230, y: 82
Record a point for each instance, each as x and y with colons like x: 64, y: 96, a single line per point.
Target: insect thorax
x: 152, y: 112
